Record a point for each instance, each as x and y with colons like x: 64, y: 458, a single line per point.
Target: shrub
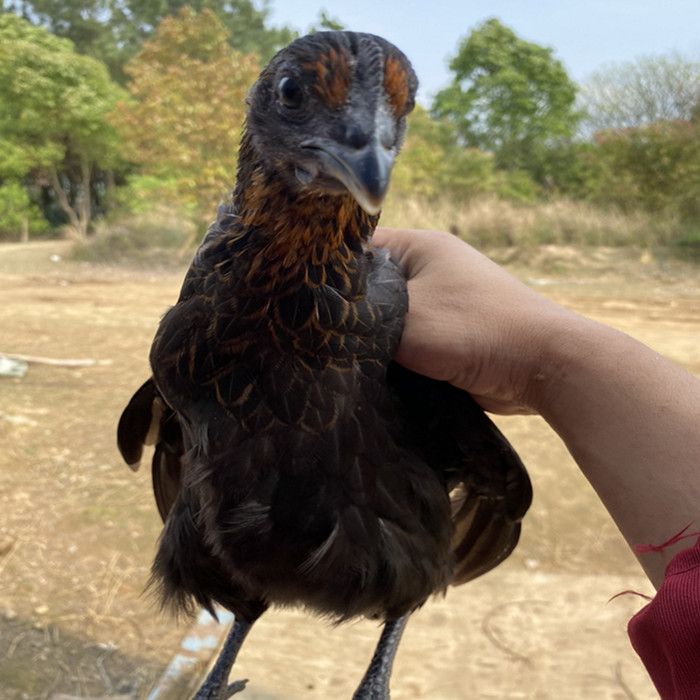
x: 687, y: 246
x: 160, y: 236
x: 654, y: 167
x: 19, y: 214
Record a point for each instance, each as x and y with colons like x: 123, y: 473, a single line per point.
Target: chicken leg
x: 216, y: 686
x: 375, y: 684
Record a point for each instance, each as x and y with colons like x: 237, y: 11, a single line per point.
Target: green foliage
x: 24, y: 51
x: 245, y: 25
x: 74, y: 142
x: 326, y: 23
x: 183, y: 122
x: 52, y: 101
x: 82, y: 22
x: 516, y: 186
x: 433, y: 163
x: 113, y: 31
x: 573, y: 169
x: 18, y: 214
x: 687, y: 246
x: 142, y: 193
x: 647, y: 156
x: 508, y: 97
x: 53, y: 104
x: 654, y: 167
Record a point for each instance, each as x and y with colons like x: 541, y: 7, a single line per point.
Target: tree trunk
x: 111, y: 188
x: 85, y: 200
x: 24, y: 238
x: 63, y: 200
x: 79, y: 216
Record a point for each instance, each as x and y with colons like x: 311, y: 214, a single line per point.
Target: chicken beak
x: 365, y: 171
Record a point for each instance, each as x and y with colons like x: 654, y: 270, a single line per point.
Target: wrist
x: 565, y: 345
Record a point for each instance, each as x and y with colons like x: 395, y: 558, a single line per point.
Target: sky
x: 585, y: 35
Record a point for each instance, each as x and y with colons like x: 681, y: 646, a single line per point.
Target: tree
x: 52, y: 108
x: 134, y: 21
x: 508, y: 97
x: 645, y: 91
x: 113, y: 31
x: 326, y: 23
x: 434, y: 164
x: 655, y: 167
x: 19, y: 213
x: 183, y: 123
x: 81, y: 21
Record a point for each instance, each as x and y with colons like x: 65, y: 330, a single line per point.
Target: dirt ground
x: 77, y: 528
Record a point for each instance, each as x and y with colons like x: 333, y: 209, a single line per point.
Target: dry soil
x: 78, y: 529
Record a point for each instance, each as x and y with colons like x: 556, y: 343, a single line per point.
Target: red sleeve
x: 666, y: 633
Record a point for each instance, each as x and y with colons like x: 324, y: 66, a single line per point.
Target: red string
x: 644, y: 548
x: 629, y: 592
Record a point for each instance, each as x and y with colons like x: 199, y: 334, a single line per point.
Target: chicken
x: 294, y: 462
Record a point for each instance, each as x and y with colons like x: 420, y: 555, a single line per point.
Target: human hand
x: 627, y: 415
x: 470, y: 322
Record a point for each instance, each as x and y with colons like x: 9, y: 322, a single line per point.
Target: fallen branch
x: 49, y: 360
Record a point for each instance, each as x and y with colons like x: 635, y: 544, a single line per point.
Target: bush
x: 654, y: 167
x: 17, y: 212
x: 516, y: 186
x: 687, y: 246
x: 144, y: 193
x: 433, y: 164
x: 159, y: 236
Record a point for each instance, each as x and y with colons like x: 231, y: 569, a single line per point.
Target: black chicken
x: 294, y: 462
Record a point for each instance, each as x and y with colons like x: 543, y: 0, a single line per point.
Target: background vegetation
x: 116, y: 115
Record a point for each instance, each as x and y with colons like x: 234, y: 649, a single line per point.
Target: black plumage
x: 294, y: 462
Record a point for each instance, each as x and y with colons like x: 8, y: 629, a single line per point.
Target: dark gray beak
x: 365, y: 170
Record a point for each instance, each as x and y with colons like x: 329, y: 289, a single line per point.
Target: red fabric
x: 666, y: 633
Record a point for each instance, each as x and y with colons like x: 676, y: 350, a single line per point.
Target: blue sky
x: 585, y: 34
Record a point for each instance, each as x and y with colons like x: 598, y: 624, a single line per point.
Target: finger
x: 411, y: 248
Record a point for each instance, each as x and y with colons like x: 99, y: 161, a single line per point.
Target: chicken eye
x: 290, y: 93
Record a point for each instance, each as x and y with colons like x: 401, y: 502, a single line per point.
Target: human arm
x: 628, y: 416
